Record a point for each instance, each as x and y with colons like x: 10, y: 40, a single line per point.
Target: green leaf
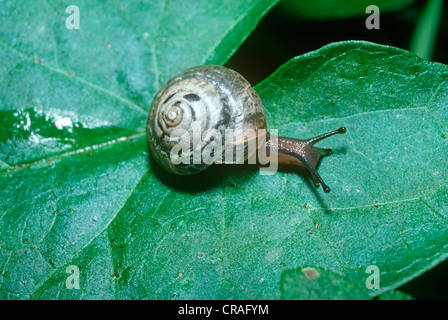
x: 227, y: 233
x: 73, y: 114
x: 395, y: 295
x: 329, y: 9
x: 318, y: 284
x: 63, y: 90
x: 389, y: 175
x: 309, y: 283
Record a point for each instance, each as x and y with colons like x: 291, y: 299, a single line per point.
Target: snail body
x: 216, y: 99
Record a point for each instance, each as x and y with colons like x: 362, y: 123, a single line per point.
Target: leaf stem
x: 425, y: 34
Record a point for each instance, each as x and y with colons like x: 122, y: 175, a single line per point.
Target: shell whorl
x: 216, y: 96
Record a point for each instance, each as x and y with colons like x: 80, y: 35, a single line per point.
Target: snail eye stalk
x: 305, y: 152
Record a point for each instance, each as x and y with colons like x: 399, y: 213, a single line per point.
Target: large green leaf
x: 330, y: 9
x: 73, y: 112
x: 139, y: 233
x: 62, y: 90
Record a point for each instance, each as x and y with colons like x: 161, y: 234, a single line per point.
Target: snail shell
x: 216, y: 96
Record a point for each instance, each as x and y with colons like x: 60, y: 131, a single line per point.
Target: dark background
x: 278, y: 38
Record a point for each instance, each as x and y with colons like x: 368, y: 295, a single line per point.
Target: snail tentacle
x: 302, y: 153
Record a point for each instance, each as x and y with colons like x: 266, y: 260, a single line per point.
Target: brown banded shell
x: 213, y: 97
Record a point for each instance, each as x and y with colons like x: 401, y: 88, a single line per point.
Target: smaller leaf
x: 395, y: 295
x: 311, y: 283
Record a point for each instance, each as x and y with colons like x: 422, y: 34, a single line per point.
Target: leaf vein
x: 73, y: 77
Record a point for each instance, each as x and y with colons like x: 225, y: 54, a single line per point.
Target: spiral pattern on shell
x: 212, y: 97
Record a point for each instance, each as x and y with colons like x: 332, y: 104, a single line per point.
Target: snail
x: 216, y: 99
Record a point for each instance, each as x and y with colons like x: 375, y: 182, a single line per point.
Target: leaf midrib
x: 53, y: 158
